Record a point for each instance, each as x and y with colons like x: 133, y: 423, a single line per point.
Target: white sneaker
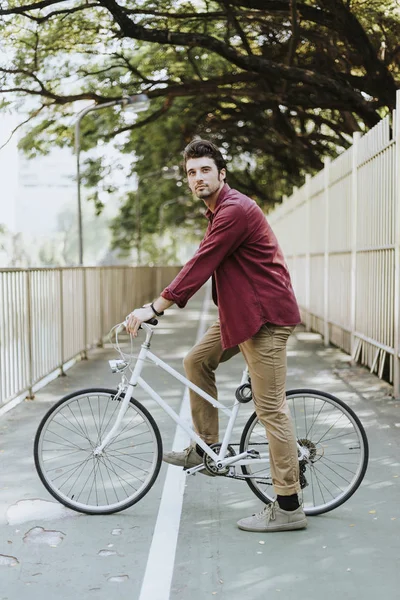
x: 274, y: 518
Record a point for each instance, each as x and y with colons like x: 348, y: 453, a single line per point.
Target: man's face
x: 203, y: 177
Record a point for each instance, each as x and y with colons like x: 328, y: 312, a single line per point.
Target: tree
x: 282, y: 83
x: 13, y: 247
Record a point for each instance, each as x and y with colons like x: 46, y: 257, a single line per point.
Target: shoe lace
x: 267, y: 513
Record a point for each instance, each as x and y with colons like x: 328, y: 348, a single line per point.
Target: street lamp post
x: 138, y: 102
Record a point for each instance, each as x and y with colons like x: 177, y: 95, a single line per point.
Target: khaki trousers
x: 265, y: 355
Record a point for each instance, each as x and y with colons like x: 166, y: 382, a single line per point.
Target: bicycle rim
x: 65, y: 460
x: 337, y: 446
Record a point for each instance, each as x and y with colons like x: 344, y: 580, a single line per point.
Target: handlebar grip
x: 152, y: 321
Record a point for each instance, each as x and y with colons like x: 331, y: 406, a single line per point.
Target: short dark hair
x: 199, y: 148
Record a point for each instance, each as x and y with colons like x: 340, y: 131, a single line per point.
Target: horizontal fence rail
x: 340, y: 233
x: 49, y: 317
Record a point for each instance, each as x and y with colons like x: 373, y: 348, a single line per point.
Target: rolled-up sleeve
x: 228, y: 230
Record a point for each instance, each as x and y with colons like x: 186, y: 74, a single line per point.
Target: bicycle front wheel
x: 336, y: 445
x: 64, y: 452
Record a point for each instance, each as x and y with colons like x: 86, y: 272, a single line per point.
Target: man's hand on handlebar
x: 145, y: 314
x: 137, y: 317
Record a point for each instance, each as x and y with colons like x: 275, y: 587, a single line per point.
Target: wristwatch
x: 158, y: 314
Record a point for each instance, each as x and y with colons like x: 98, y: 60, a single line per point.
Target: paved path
x: 180, y: 542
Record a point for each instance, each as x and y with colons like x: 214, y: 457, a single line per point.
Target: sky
x: 34, y: 192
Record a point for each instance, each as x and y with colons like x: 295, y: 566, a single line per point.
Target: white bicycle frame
x: 244, y: 458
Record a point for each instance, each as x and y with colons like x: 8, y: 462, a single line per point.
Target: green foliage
x: 277, y: 85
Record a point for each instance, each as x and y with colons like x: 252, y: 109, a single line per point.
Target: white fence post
x: 294, y: 247
x: 308, y: 260
x: 396, y: 341
x: 355, y: 289
x: 30, y: 394
x: 326, y: 253
x: 354, y: 219
x: 62, y: 328
x: 85, y: 313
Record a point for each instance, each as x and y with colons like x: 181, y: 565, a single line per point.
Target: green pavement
x: 48, y: 552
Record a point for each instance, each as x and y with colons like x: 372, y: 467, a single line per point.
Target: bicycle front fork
x: 121, y: 412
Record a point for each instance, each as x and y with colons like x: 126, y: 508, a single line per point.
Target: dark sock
x: 288, y: 502
x: 199, y: 450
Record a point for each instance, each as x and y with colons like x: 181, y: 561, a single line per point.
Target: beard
x: 206, y: 191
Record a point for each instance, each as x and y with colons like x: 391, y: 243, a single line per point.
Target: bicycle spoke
x: 68, y: 442
x: 116, y: 457
x: 79, y: 424
x: 104, y: 482
x: 71, y: 430
x: 109, y: 464
x: 335, y: 459
x: 116, y: 453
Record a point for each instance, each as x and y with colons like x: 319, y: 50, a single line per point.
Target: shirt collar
x: 221, y: 197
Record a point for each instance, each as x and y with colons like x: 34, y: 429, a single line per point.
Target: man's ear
x: 223, y: 173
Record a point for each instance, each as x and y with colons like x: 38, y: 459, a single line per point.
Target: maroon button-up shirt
x: 251, y: 282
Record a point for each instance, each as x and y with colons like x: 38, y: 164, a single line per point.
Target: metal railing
x: 49, y: 317
x: 340, y: 233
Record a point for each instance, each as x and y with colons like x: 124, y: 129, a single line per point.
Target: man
x: 257, y: 313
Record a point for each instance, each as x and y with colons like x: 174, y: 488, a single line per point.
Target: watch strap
x: 158, y: 314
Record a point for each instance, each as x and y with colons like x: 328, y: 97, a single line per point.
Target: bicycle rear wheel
x: 64, y: 452
x: 337, y: 451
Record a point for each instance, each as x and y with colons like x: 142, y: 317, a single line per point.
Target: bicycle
x: 99, y: 451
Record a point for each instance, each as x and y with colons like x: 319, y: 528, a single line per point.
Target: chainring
x: 209, y: 463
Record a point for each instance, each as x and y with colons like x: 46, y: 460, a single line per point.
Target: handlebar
x: 151, y: 322
x: 144, y: 325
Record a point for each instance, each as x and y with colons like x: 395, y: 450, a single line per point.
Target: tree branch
x: 357, y: 37
x: 150, y: 119
x: 169, y: 15
x: 253, y: 63
x: 32, y: 116
x: 66, y: 11
x: 232, y: 17
x: 17, y: 10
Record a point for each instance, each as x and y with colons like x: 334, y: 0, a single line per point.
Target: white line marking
x: 161, y: 560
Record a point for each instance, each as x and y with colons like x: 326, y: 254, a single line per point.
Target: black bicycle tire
x: 62, y: 500
x: 360, y: 427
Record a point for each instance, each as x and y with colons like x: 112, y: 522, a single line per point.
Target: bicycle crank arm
x: 233, y: 461
x: 194, y: 470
